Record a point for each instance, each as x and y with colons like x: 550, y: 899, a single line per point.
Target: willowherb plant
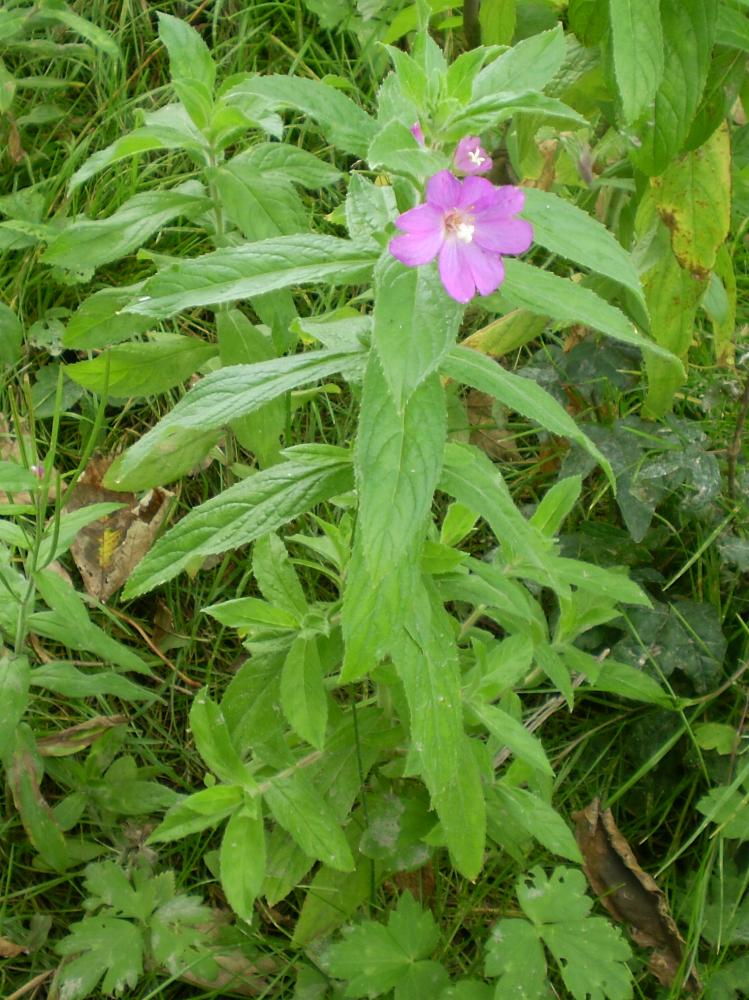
x: 399, y: 698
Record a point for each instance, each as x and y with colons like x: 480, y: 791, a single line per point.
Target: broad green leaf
x: 719, y: 302
x: 250, y: 612
x: 276, y: 576
x: 281, y: 159
x: 374, y: 958
x: 165, y: 131
x: 103, y: 946
x: 224, y: 396
x: 63, y: 678
x: 179, y: 454
x: 398, y: 460
x: 551, y: 295
x: 98, y: 322
x: 303, y: 696
x: 344, y: 123
x: 733, y: 28
x: 197, y: 812
x: 11, y: 336
x: 515, y: 955
x: 637, y: 41
x: 370, y: 209
x: 300, y: 809
x: 513, y: 734
x: 518, y: 393
x: 89, y: 244
x: 694, y: 200
x: 529, y: 65
x: 261, y: 205
x: 242, y: 861
x: 688, y: 31
x: 253, y: 269
x: 497, y: 19
x: 189, y: 57
x: 570, y: 232
x: 729, y: 809
x: 395, y: 149
x: 415, y: 324
x: 488, y: 112
x: 14, y: 478
x: 143, y: 369
x: 522, y: 808
x: 14, y: 695
x: 426, y: 659
x: 618, y: 678
x: 214, y: 743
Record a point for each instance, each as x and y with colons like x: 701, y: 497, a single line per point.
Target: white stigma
x: 475, y: 157
x: 464, y: 232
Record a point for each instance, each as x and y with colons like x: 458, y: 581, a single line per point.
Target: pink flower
x: 471, y: 157
x: 468, y: 225
x: 417, y: 133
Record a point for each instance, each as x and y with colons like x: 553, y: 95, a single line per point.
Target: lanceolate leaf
x: 398, y: 459
x: 529, y: 65
x: 245, y: 511
x: 520, y: 394
x: 548, y: 294
x: 226, y: 395
x: 637, y: 40
x: 14, y: 693
x: 253, y: 269
x: 300, y: 809
x: 688, y: 32
x: 290, y: 163
x: 345, y: 123
x: 570, y: 232
x: 242, y: 861
x: 303, y: 696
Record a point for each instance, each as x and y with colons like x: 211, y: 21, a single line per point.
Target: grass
x: 649, y: 763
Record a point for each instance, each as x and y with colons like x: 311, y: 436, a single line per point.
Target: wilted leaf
x: 107, y: 550
x: 630, y: 894
x: 75, y: 738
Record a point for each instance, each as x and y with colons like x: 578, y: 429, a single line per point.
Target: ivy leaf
x: 104, y: 946
x: 374, y: 958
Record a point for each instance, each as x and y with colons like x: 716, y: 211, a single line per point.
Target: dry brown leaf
x: 107, y: 551
x: 74, y: 738
x: 496, y: 442
x: 238, y: 975
x: 629, y: 894
x: 9, y: 949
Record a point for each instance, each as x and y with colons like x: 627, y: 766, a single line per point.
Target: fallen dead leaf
x: 74, y: 738
x: 629, y: 894
x: 238, y: 975
x: 107, y: 551
x: 9, y: 949
x: 496, y: 442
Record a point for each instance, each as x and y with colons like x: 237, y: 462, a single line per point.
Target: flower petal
x: 471, y: 157
x: 499, y: 234
x: 507, y: 200
x: 486, y: 269
x: 416, y: 248
x: 474, y: 190
x: 454, y: 272
x: 443, y: 190
x: 422, y: 219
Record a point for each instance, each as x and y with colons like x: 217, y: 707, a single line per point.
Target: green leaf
x: 197, y: 812
x: 103, y: 946
x: 303, y: 696
x: 14, y: 478
x: 97, y: 322
x: 395, y: 149
x: 513, y: 734
x: 90, y: 244
x: 300, y: 809
x: 374, y: 958
x: 276, y: 576
x: 370, y: 209
x: 63, y: 678
x: 14, y: 696
x: 224, y: 396
x: 556, y: 504
x: 189, y: 57
x: 637, y: 41
x: 688, y: 32
x: 729, y: 809
x: 182, y: 451
x: 415, y: 324
x: 342, y: 121
x: 522, y: 808
x: 261, y: 205
x: 100, y: 39
x: 214, y: 743
x: 425, y: 657
x: 551, y: 295
x: 24, y: 773
x: 143, y: 369
x: 694, y: 200
x: 520, y: 394
x: 618, y: 678
x: 242, y: 861
x: 488, y: 112
x: 253, y: 269
x: 515, y: 955
x: 244, y: 512
x: 398, y: 460
x: 570, y: 232
x: 282, y: 160
x: 11, y: 336
x: 732, y: 29
x: 497, y: 19
x: 529, y: 65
